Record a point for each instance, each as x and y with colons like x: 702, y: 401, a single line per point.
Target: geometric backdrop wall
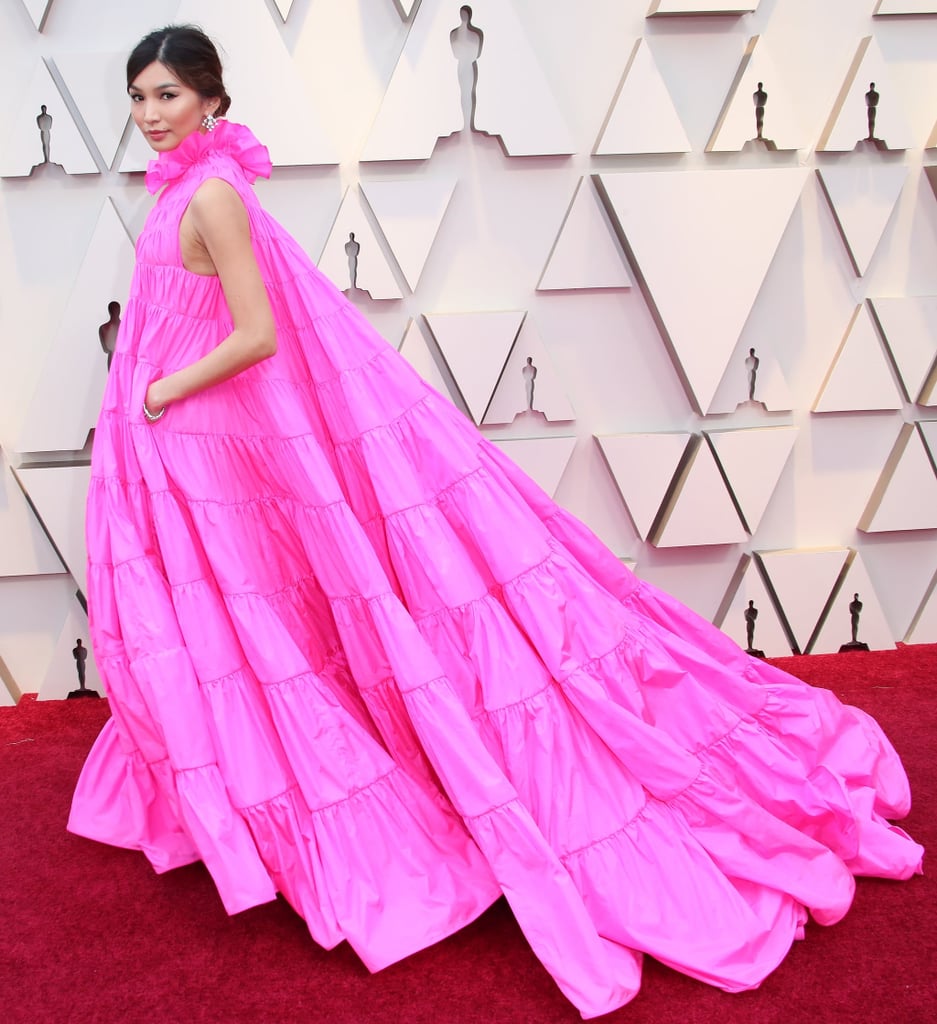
x: 678, y: 259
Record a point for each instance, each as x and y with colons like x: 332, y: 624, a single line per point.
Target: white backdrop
x: 611, y: 219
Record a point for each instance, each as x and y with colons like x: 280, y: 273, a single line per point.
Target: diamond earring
x: 208, y: 122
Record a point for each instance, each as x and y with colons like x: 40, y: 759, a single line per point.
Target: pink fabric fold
x: 227, y: 140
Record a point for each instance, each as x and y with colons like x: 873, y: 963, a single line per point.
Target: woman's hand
x: 156, y: 399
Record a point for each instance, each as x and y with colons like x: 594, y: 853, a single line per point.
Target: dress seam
x: 430, y: 503
x: 354, y: 442
x: 273, y: 500
x: 491, y: 810
x: 640, y: 813
x: 524, y: 701
x: 444, y: 610
x: 320, y: 808
x: 178, y: 312
x: 298, y: 675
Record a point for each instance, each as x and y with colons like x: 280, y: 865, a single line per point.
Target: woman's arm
x: 221, y: 235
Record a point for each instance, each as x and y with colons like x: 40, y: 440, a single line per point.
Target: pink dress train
x: 355, y: 656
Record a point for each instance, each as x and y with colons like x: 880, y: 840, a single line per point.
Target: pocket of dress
x: 139, y: 413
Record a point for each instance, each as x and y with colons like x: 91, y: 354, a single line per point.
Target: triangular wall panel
x: 737, y: 124
x: 701, y: 243
x: 423, y: 101
x: 909, y: 327
x: 892, y: 7
x: 700, y: 511
x: 137, y: 154
x: 89, y: 78
x: 862, y: 198
x: 284, y: 7
x: 928, y: 429
x: 514, y: 98
x: 643, y: 467
x: 68, y: 395
x: 409, y: 213
x: 928, y: 395
x: 22, y: 150
x: 752, y: 461
x: 38, y: 11
x: 664, y: 8
x: 642, y: 118
x: 586, y: 253
x: 372, y: 273
x: 543, y: 459
x: 860, y: 378
x: 803, y: 582
x: 476, y: 347
x: 923, y: 629
x: 905, y: 497
x: 9, y: 691
x: 529, y: 376
x: 24, y: 548
x: 59, y: 493
x: 848, y: 123
x: 771, y: 387
x: 272, y: 96
x: 873, y: 628
x: 416, y: 351
x: 32, y: 613
x: 747, y: 593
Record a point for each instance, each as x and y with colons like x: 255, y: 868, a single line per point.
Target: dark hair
x: 189, y: 54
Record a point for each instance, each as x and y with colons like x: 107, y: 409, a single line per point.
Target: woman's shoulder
x: 204, y: 154
x: 217, y: 199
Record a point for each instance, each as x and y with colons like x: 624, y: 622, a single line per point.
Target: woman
x: 354, y: 655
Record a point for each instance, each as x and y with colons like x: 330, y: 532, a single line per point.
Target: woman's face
x: 164, y: 109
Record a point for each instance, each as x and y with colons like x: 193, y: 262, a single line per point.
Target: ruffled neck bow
x: 234, y: 140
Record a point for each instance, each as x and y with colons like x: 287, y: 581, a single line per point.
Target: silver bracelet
x: 153, y: 417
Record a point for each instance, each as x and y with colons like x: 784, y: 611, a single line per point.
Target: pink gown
x: 355, y: 656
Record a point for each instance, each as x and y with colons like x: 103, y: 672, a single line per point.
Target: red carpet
x: 89, y: 935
